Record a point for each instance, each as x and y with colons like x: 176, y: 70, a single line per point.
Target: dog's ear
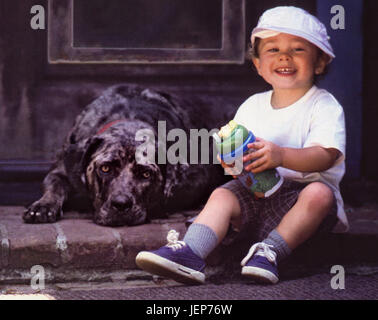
x: 90, y: 148
x: 77, y: 158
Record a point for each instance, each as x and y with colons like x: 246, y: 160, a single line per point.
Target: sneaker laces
x: 261, y: 249
x: 173, y: 241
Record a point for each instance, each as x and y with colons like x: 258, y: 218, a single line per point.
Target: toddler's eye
x: 273, y: 50
x: 299, y: 49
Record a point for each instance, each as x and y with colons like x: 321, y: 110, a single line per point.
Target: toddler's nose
x: 284, y: 57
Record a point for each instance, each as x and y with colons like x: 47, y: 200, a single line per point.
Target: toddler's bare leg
x: 303, y: 219
x: 221, y: 208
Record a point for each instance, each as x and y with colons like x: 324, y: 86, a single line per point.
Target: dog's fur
x: 99, y: 162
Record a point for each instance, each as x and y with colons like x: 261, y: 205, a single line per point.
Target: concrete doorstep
x: 76, y: 249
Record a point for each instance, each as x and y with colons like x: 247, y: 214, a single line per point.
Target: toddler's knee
x: 319, y: 194
x: 221, y: 193
x: 226, y: 199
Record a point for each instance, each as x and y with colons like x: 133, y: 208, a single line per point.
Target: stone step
x: 75, y: 248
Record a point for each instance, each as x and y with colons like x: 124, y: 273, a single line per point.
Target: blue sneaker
x: 175, y: 261
x: 260, y: 264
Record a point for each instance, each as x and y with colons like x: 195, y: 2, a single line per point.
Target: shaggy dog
x: 98, y: 161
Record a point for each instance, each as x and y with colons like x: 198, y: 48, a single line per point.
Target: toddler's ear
x: 321, y: 63
x: 256, y: 62
x: 319, y: 71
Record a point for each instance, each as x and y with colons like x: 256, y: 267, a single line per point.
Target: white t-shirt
x: 316, y: 119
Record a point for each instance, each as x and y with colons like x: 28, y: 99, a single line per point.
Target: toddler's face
x: 288, y: 62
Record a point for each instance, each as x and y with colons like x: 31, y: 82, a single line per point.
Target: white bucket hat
x: 294, y: 21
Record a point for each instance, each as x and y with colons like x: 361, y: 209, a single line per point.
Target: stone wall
x: 38, y: 101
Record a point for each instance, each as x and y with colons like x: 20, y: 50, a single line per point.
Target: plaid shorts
x: 260, y: 216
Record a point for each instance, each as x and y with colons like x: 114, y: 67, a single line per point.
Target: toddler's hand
x: 267, y: 156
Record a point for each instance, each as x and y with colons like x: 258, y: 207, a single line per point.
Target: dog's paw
x: 40, y: 212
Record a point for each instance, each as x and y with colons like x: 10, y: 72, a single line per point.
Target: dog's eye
x: 105, y: 169
x: 146, y: 174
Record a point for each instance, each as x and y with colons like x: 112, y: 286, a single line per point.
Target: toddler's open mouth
x: 285, y: 71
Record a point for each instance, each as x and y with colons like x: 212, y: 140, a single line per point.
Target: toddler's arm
x: 269, y: 155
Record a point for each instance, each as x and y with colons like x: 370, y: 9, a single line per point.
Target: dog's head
x: 124, y: 188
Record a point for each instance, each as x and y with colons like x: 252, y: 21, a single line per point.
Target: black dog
x: 98, y: 160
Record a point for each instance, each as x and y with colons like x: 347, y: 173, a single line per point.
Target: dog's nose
x: 121, y: 203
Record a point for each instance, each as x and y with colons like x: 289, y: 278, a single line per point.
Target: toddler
x: 301, y: 132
